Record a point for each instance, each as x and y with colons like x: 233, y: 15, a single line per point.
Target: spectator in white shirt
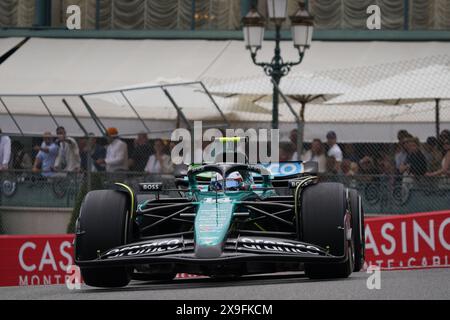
x: 116, y: 153
x: 5, y: 151
x: 316, y: 154
x: 159, y: 162
x: 68, y: 158
x: 334, y: 150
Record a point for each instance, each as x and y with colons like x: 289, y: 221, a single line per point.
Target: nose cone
x: 208, y: 251
x: 212, y: 222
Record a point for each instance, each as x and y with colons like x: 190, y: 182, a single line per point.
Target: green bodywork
x: 215, y: 212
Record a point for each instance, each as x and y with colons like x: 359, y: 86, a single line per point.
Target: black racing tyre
x: 323, y: 211
x: 102, y: 225
x: 357, y: 211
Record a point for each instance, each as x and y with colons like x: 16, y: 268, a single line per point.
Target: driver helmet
x: 234, y: 181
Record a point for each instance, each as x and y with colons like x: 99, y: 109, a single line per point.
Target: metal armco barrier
x: 419, y: 240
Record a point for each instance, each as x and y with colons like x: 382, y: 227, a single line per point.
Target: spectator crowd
x: 61, y: 153
x: 409, y: 157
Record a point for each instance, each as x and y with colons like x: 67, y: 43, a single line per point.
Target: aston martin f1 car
x: 227, y: 220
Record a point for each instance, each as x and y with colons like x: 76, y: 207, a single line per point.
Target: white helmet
x: 234, y: 181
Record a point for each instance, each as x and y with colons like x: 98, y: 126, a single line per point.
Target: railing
x: 382, y: 194
x: 393, y: 194
x: 28, y: 189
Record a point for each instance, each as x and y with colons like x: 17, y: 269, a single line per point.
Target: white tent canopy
x: 431, y: 83
x: 363, y: 113
x: 192, y: 99
x: 138, y: 109
x: 294, y: 84
x: 418, y: 85
x: 89, y: 65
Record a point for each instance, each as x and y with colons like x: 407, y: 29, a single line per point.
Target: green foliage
x: 96, y: 184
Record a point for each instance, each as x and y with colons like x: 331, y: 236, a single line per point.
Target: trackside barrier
x: 420, y: 240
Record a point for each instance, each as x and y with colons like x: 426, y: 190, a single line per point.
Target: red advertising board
x: 35, y: 259
x: 419, y: 240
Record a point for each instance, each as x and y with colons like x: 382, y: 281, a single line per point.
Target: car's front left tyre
x: 103, y: 224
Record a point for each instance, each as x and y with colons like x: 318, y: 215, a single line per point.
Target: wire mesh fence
x: 374, y: 169
x: 384, y: 189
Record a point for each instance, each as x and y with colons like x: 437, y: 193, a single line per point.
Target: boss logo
x: 293, y: 184
x: 150, y: 186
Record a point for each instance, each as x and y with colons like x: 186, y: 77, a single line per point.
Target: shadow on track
x: 196, y: 283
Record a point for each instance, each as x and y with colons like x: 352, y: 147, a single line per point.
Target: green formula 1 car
x: 229, y: 220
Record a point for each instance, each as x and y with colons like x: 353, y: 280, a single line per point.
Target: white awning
x: 417, y: 85
x: 86, y: 65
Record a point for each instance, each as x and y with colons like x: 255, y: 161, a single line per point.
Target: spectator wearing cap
x: 5, y: 151
x: 68, y: 158
x: 334, y: 149
x: 116, y: 153
x: 46, y: 157
x: 445, y: 165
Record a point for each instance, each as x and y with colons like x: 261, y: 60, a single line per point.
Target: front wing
x: 236, y: 250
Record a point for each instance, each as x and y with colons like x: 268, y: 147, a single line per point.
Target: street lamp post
x: 302, y: 28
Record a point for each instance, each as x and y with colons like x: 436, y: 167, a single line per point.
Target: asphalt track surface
x: 404, y: 284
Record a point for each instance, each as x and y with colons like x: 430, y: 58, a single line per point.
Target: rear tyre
x: 357, y: 212
x: 323, y: 215
x: 102, y: 225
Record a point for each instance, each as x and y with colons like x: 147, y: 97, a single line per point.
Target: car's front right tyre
x: 324, y: 222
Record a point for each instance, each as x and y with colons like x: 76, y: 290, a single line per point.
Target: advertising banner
x: 420, y: 240
x: 35, y: 259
